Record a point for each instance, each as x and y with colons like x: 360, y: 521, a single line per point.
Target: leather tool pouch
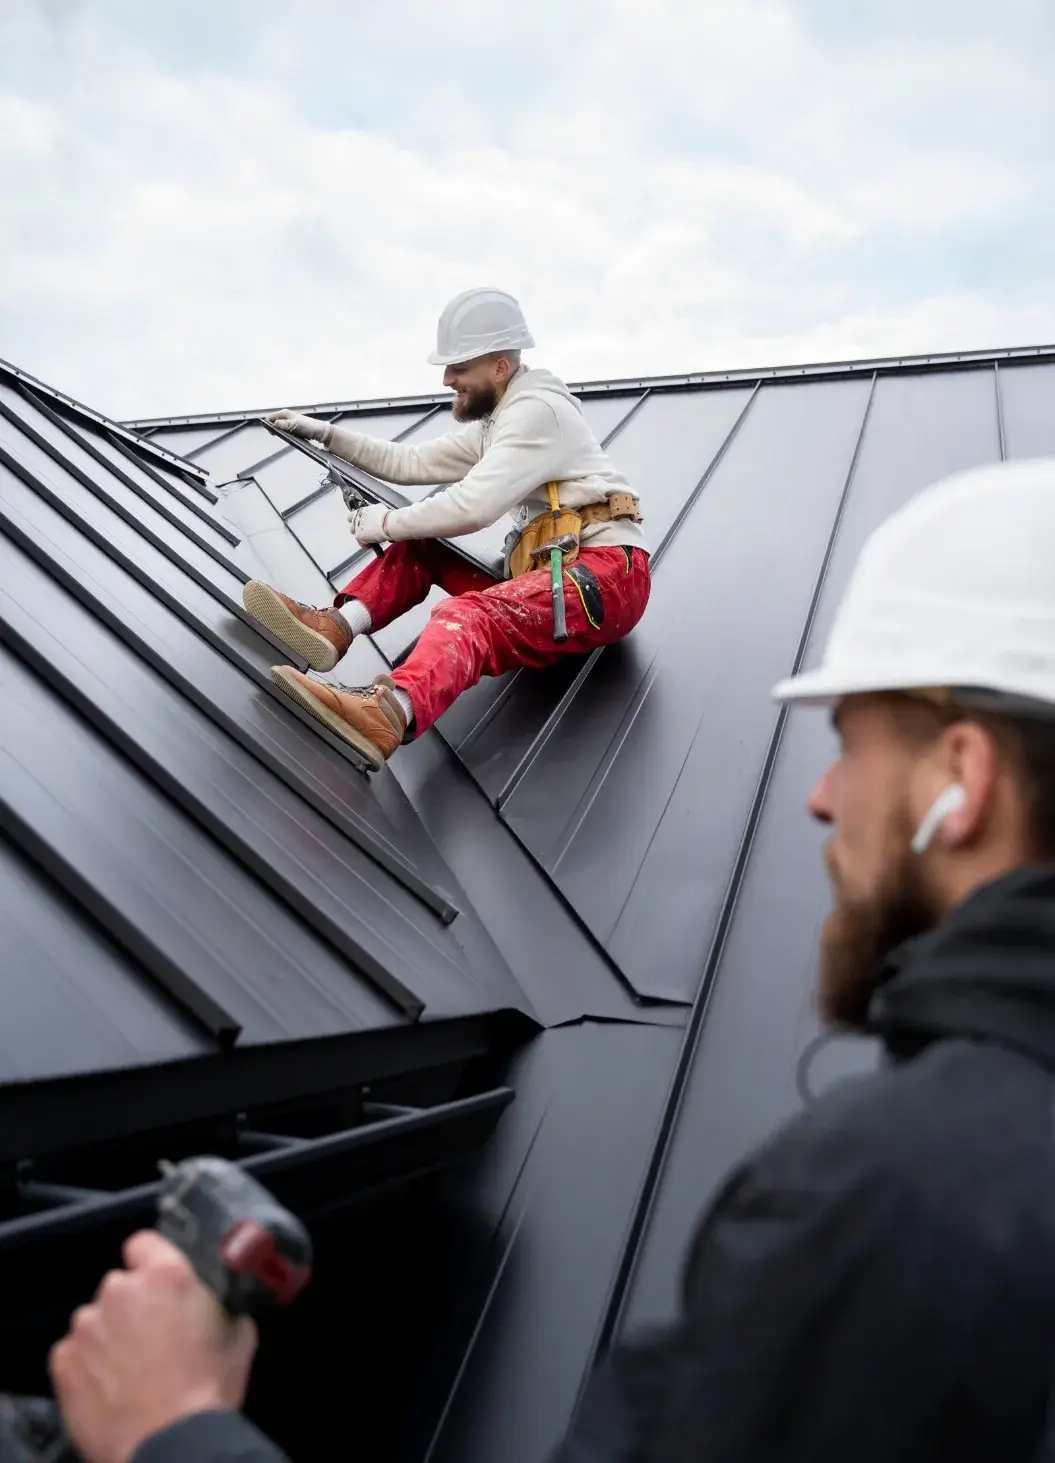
x: 537, y: 534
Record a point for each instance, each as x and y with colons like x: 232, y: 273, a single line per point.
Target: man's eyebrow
x: 833, y: 718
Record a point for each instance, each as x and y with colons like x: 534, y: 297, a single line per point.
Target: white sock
x: 357, y: 615
x: 404, y: 702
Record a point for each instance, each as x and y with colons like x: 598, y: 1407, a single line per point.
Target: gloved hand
x: 368, y: 524
x: 298, y: 424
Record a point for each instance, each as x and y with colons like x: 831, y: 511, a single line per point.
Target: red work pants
x: 487, y: 628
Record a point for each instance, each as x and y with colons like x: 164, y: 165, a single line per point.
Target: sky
x: 219, y: 204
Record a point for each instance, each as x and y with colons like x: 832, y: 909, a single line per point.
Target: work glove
x: 368, y: 524
x: 298, y: 424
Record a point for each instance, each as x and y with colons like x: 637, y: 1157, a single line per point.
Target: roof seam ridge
x: 364, y: 839
x: 548, y: 727
x: 644, y: 1208
x: 23, y: 378
x: 736, y: 376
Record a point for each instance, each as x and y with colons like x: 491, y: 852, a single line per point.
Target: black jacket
x: 878, y: 1281
x: 212, y: 1437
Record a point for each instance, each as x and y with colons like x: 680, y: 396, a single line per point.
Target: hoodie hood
x: 987, y: 971
x: 535, y: 381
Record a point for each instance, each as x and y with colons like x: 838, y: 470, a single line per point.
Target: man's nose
x: 820, y: 801
x: 449, y: 377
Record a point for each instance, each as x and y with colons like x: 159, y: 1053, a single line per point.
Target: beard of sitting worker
x: 474, y: 402
x: 479, y: 385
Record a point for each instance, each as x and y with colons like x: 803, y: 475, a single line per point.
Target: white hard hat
x: 477, y: 322
x: 954, y: 591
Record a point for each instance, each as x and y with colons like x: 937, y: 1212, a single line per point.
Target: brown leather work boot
x: 320, y: 636
x: 369, y: 717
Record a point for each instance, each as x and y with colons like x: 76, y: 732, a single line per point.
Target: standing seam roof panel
x: 664, y: 449
x: 173, y: 644
x: 758, y: 1014
x: 300, y: 856
x: 179, y: 504
x: 264, y: 724
x: 672, y: 766
x: 109, y: 1016
x: 1028, y: 395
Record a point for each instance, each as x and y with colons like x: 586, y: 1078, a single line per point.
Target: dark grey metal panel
x: 604, y: 413
x: 288, y: 478
x: 556, y: 1186
x: 664, y: 449
x: 565, y: 974
x: 665, y: 759
x: 192, y: 505
x: 301, y: 857
x: 1028, y: 397
x: 134, y: 490
x: 166, y: 885
x: 112, y: 499
x: 185, y: 440
x: 758, y: 1018
x: 72, y: 1000
x: 226, y: 459
x: 183, y: 480
x: 207, y: 605
x: 175, y: 641
x: 322, y: 527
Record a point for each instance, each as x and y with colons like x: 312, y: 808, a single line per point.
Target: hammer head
x: 567, y: 544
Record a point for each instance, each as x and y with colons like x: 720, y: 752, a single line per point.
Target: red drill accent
x: 249, y: 1249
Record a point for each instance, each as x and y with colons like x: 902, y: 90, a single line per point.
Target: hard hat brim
x: 826, y: 685
x: 524, y: 343
x: 435, y: 359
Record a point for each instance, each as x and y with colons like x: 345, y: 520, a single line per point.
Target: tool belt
x: 529, y: 549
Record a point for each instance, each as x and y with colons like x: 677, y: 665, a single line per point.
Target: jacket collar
x: 987, y: 971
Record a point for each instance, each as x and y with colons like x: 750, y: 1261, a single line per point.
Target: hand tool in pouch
x: 555, y: 550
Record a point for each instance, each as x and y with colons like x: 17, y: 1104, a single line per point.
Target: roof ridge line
x: 737, y: 376
x: 129, y: 434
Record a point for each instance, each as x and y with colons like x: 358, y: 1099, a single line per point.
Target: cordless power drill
x: 251, y: 1253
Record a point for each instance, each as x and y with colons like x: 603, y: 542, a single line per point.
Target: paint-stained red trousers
x: 486, y: 629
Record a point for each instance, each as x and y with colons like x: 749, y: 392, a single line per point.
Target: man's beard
x: 479, y: 401
x: 860, y: 932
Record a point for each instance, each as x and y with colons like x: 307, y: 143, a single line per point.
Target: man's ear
x: 971, y: 760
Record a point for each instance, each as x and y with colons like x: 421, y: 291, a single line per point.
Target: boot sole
x: 321, y: 712
x: 264, y: 605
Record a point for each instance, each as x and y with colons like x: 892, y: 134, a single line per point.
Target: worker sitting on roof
x: 524, y: 449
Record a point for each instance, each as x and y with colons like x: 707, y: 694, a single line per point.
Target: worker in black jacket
x: 878, y: 1281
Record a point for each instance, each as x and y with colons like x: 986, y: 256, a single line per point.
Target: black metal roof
x: 616, y: 848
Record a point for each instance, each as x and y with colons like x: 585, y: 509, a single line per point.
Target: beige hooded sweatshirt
x: 501, y: 464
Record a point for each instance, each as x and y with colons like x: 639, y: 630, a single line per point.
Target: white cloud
x: 679, y: 187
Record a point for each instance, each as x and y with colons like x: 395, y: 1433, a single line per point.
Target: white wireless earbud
x: 950, y: 801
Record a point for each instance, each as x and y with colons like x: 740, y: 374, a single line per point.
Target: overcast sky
x: 233, y: 203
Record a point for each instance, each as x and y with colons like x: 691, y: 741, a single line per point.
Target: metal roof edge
x: 128, y: 433
x: 823, y: 369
